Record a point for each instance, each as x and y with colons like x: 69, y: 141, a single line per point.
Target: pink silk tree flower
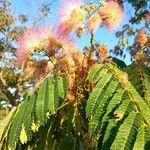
x: 111, y: 14
x: 31, y: 40
x: 94, y: 22
x: 71, y: 14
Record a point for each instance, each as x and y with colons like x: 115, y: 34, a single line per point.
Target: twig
x: 63, y: 105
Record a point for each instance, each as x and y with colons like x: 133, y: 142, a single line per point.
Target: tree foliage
x: 114, y: 115
x: 77, y: 100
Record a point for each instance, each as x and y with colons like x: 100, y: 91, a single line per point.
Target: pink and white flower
x: 32, y: 39
x: 71, y: 14
x: 94, y: 22
x: 111, y: 14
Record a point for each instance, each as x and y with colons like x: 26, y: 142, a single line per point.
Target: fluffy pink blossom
x: 111, y: 14
x: 70, y: 15
x: 32, y: 39
x: 94, y: 22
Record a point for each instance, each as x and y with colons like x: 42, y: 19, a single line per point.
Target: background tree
x: 12, y: 84
x: 138, y: 20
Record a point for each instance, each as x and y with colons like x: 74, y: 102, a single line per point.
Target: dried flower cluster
x: 139, y: 49
x: 102, y: 51
x: 147, y: 18
x: 141, y: 38
x: 63, y: 56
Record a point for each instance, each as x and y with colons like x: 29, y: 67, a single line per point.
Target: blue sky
x: 30, y: 8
